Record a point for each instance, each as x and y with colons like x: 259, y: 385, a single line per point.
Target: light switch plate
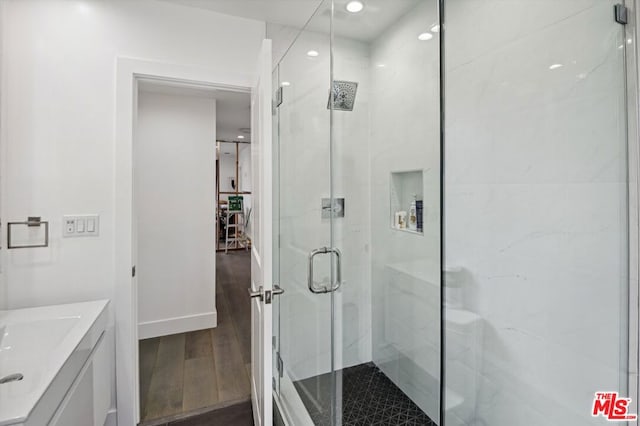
x: 85, y: 225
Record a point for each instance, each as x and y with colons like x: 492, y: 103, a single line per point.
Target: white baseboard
x: 147, y: 330
x: 112, y: 418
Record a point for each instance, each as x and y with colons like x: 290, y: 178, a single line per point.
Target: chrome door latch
x: 266, y: 296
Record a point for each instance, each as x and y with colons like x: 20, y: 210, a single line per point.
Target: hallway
x: 193, y: 373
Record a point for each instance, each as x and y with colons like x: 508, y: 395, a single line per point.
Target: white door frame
x: 128, y: 71
x: 633, y: 153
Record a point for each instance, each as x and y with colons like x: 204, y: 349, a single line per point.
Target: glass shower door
x: 368, y: 351
x: 536, y: 212
x: 385, y: 163
x: 306, y: 266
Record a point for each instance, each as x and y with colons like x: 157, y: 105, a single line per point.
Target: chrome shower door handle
x: 310, y: 282
x: 336, y: 284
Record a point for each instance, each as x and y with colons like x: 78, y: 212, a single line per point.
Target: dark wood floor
x: 188, y: 373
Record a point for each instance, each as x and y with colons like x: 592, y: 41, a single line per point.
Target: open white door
x: 261, y: 291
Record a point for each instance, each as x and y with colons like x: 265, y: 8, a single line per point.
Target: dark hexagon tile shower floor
x: 369, y: 398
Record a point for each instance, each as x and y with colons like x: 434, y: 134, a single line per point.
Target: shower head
x: 344, y: 95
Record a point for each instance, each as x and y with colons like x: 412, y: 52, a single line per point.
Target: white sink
x: 48, y: 346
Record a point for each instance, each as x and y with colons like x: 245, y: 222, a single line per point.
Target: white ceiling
x: 285, y: 12
x: 368, y: 25
x: 233, y: 109
x: 364, y: 26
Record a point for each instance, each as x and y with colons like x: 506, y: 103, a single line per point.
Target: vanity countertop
x: 47, y: 346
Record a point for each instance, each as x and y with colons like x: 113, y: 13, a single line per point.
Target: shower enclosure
x: 455, y: 212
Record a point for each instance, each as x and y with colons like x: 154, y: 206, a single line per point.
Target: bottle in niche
x: 420, y: 213
x: 413, y: 215
x: 401, y: 220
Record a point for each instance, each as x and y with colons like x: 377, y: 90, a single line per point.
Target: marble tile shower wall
x: 404, y: 136
x: 304, y: 174
x: 352, y: 181
x: 536, y: 204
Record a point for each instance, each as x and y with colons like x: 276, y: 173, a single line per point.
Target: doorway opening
x: 233, y: 193
x: 194, y: 317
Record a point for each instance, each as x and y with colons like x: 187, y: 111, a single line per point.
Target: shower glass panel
x: 358, y: 135
x: 535, y: 213
x: 536, y: 225
x: 303, y: 328
x: 385, y: 160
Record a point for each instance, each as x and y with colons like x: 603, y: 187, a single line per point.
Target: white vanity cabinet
x: 89, y: 398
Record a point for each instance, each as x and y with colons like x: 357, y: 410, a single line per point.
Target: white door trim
x: 128, y: 71
x: 262, y: 239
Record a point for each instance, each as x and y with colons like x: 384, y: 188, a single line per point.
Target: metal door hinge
x: 133, y: 271
x: 279, y: 96
x: 279, y: 364
x: 621, y: 14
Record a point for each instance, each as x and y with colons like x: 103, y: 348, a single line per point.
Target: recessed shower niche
x: 407, y: 202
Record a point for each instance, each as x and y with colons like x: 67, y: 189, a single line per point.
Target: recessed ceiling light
x: 355, y: 6
x: 380, y: 65
x: 435, y: 28
x: 555, y: 66
x: 312, y: 53
x: 285, y: 84
x: 425, y: 36
x: 240, y: 137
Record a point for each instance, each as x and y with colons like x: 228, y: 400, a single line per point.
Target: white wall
x: 244, y: 167
x: 535, y: 193
x: 58, y: 105
x: 174, y: 166
x: 227, y: 165
x: 282, y: 37
x: 244, y: 172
